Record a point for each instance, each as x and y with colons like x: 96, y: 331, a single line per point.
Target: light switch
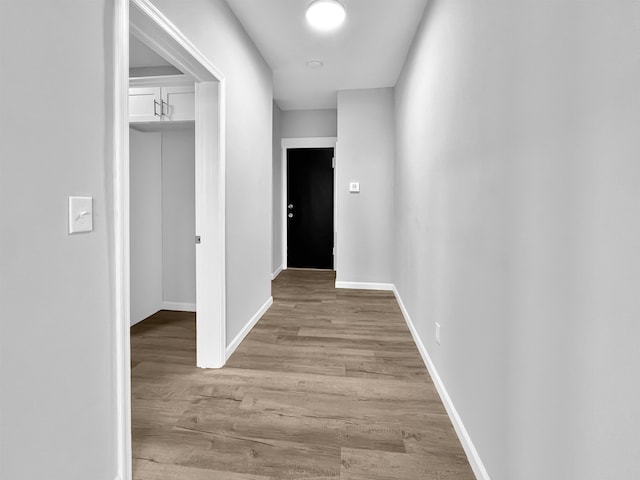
x: 354, y: 187
x: 80, y: 214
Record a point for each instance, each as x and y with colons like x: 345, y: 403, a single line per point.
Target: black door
x: 310, y: 208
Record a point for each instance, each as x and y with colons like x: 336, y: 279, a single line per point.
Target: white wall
x: 276, y: 256
x: 215, y: 31
x: 309, y: 123
x: 178, y: 218
x: 57, y: 407
x: 366, y: 149
x: 517, y: 206
x: 145, y: 210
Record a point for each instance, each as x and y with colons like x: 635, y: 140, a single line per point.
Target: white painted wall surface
x: 57, y: 407
x: 517, y: 206
x: 309, y: 123
x: 277, y: 260
x: 178, y: 216
x: 215, y: 31
x: 145, y: 210
x: 366, y: 149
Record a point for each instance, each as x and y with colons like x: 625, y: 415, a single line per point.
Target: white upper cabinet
x: 161, y: 99
x: 179, y: 103
x: 145, y: 104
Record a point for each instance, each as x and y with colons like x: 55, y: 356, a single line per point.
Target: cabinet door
x: 179, y: 103
x: 144, y: 104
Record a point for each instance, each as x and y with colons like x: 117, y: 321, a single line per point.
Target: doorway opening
x: 161, y: 185
x: 155, y: 31
x: 141, y: 19
x: 309, y: 203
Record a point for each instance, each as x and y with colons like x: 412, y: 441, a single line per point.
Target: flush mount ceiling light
x: 314, y: 64
x: 326, y: 14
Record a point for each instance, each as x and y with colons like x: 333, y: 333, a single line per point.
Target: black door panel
x: 310, y: 208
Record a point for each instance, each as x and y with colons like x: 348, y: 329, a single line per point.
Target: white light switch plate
x: 354, y: 187
x: 80, y: 214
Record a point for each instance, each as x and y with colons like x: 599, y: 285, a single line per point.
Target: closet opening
x: 162, y: 208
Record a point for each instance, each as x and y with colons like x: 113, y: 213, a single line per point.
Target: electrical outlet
x: 437, y: 333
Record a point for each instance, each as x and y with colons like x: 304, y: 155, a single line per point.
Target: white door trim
x: 121, y: 238
x: 312, y: 142
x: 148, y: 24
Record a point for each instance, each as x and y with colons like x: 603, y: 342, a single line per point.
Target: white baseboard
x: 365, y: 286
x: 247, y: 328
x: 472, y: 454
x: 275, y: 274
x: 179, y: 307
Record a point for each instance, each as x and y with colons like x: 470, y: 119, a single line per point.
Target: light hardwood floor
x: 329, y: 385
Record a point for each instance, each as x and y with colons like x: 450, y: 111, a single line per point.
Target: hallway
x: 328, y: 385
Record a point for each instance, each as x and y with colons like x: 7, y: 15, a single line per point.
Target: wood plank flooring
x: 328, y: 386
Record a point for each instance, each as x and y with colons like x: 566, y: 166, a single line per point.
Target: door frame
x: 146, y: 22
x: 311, y: 142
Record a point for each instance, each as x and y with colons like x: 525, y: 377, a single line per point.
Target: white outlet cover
x: 80, y: 214
x: 437, y: 333
x: 354, y: 187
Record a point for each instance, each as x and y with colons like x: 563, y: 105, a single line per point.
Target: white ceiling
x: 368, y: 51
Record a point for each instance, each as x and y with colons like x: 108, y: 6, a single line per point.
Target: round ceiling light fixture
x: 314, y: 64
x: 326, y: 14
